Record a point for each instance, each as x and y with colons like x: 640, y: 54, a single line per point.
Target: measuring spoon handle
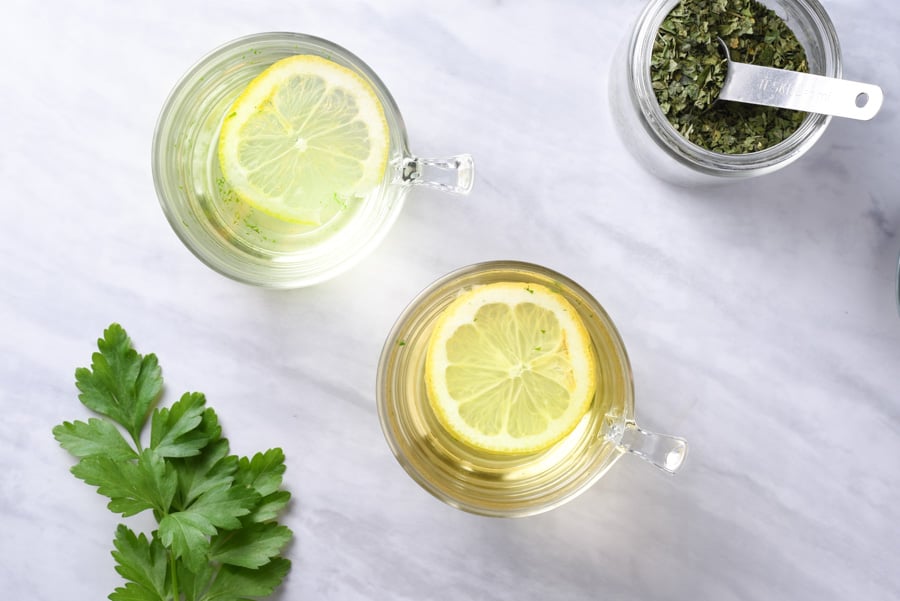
x: 768, y: 86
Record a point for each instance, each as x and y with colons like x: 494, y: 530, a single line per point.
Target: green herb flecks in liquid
x: 688, y: 68
x: 340, y: 201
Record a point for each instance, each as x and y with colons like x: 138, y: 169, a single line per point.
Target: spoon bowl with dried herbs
x: 782, y: 88
x: 688, y: 72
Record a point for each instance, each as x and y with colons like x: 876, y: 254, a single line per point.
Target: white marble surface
x: 761, y: 319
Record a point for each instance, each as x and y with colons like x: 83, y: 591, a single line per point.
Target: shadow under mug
x: 247, y: 245
x: 510, y: 485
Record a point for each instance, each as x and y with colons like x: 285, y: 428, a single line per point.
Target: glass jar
x: 663, y: 151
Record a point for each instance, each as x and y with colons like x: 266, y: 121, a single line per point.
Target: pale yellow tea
x: 271, y: 159
x: 503, y: 389
x: 281, y: 159
x: 287, y: 160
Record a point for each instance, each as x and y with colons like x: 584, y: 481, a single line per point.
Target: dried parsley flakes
x: 687, y: 70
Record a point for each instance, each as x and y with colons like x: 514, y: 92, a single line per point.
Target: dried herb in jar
x: 688, y: 68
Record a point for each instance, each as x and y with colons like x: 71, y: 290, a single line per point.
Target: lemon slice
x: 510, y: 368
x: 306, y: 137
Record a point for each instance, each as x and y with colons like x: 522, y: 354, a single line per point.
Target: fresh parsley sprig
x: 217, y: 536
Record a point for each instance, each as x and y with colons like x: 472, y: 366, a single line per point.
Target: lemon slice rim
x: 580, y: 354
x: 262, y: 87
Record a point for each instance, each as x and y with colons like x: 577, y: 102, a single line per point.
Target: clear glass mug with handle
x: 511, y: 485
x: 250, y: 245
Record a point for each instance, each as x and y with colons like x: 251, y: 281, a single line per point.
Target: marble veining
x: 761, y: 319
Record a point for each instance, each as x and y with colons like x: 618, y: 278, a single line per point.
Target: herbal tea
x: 501, y: 387
x: 284, y: 161
x: 280, y: 159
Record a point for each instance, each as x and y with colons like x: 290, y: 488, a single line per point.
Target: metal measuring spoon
x: 785, y: 89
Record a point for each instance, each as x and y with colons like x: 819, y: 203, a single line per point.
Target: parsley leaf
x: 264, y: 472
x: 223, y: 505
x: 250, y: 547
x: 148, y: 483
x: 196, y: 475
x: 186, y: 532
x: 143, y: 563
x: 217, y: 539
x: 193, y: 585
x: 174, y: 433
x: 96, y: 437
x: 269, y: 506
x: 236, y: 584
x: 121, y: 384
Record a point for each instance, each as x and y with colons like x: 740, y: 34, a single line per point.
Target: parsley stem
x: 175, y: 594
x: 137, y: 442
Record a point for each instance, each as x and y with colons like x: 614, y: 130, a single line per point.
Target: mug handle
x: 456, y: 174
x: 665, y: 452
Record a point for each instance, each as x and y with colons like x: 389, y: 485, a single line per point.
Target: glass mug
x: 510, y: 485
x: 240, y: 242
x: 662, y: 150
